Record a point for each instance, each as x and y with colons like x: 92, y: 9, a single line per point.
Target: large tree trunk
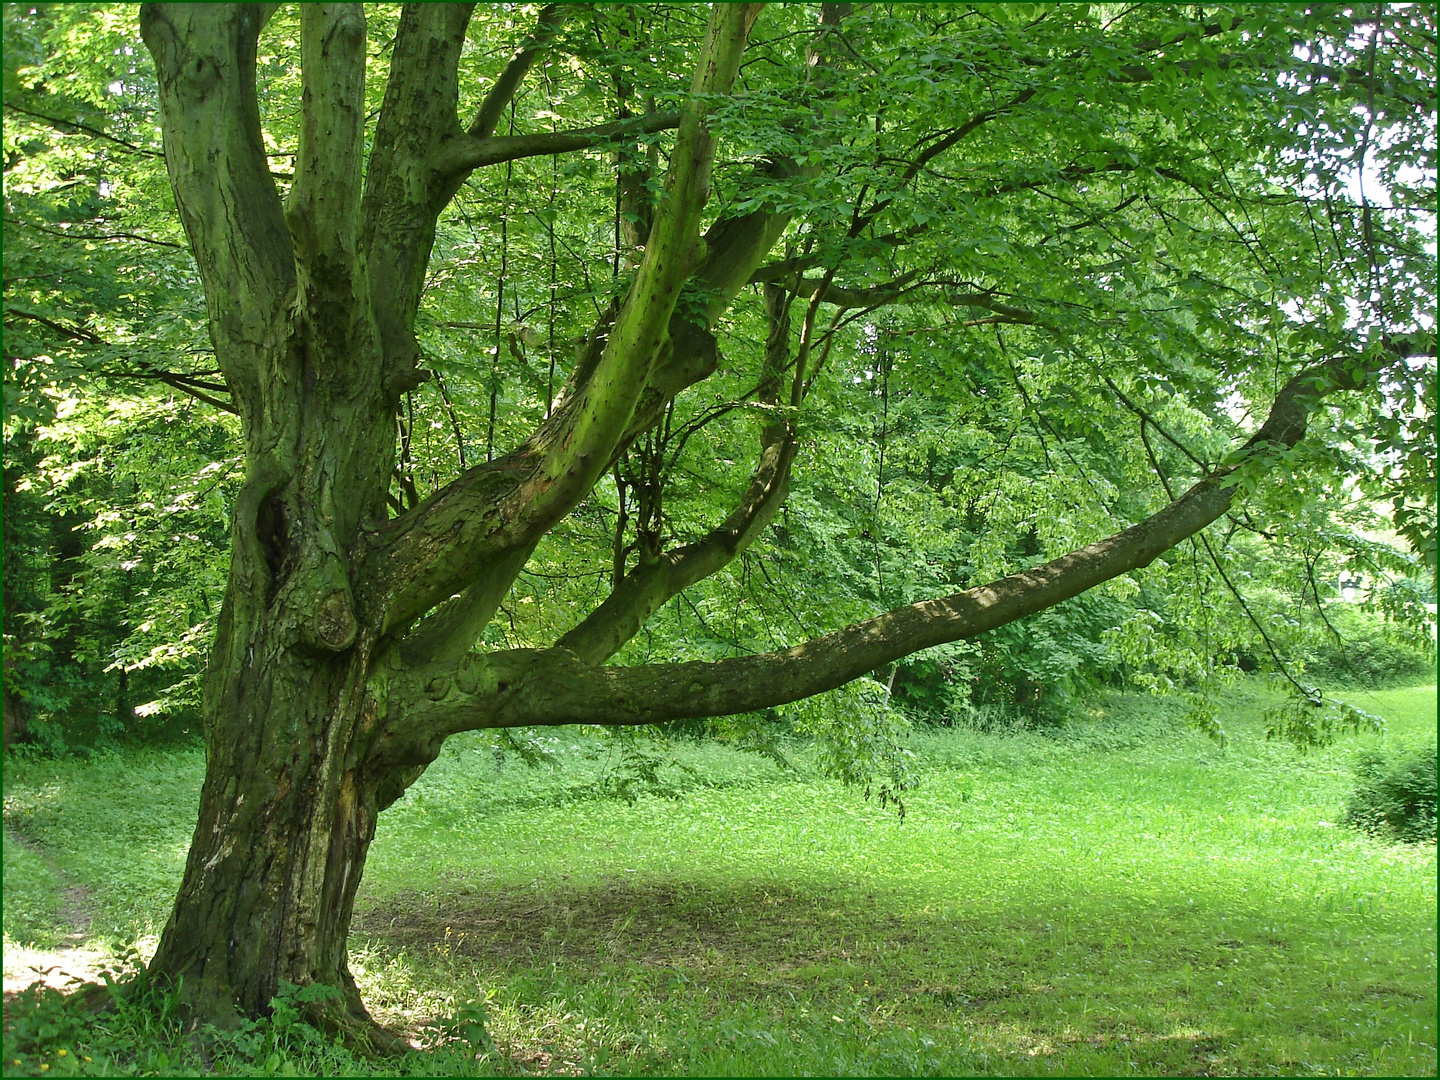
x: 311, y: 305
x: 278, y: 850
x: 288, y: 809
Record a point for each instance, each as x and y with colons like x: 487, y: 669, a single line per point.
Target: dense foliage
x: 117, y: 484
x: 1395, y: 793
x: 941, y: 447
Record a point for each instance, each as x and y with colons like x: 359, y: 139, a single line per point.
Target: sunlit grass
x: 1122, y: 897
x: 1171, y: 907
x: 1409, y: 711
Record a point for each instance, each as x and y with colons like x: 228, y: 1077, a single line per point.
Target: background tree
x: 115, y: 478
x: 526, y: 323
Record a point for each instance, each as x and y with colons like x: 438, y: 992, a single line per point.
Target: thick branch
x: 323, y: 210
x: 205, y: 58
x: 734, y: 247
x: 403, y: 193
x: 491, y: 512
x: 650, y: 585
x: 547, y: 26
x: 529, y: 687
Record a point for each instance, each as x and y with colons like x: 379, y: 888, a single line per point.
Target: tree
x: 115, y: 484
x: 1075, y: 214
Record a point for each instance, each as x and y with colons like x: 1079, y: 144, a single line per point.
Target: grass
x: 1120, y: 897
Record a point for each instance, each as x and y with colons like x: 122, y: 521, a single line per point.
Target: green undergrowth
x: 1118, y: 896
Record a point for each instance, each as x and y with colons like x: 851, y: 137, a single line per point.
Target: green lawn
x: 1122, y: 897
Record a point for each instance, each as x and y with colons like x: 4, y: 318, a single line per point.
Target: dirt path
x: 75, y: 958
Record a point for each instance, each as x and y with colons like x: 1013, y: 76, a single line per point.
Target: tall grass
x: 1116, y: 897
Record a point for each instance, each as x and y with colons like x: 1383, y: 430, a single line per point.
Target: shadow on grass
x: 836, y: 971
x: 1105, y: 987
x: 766, y: 929
x: 757, y: 938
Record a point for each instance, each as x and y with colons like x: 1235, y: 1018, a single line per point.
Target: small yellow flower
x: 61, y: 1052
x: 44, y: 1067
x: 85, y: 1059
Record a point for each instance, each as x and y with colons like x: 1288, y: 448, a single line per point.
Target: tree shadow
x: 762, y: 928
x: 937, y: 970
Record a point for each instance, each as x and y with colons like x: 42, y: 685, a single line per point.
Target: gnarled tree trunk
x: 311, y: 305
x: 343, y: 658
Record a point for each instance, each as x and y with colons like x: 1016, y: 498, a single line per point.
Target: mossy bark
x: 311, y: 302
x: 342, y: 659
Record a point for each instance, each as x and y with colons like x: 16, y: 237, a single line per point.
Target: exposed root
x: 355, y: 1029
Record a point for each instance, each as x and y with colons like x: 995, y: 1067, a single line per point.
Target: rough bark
x: 311, y: 308
x: 285, y: 814
x: 487, y: 515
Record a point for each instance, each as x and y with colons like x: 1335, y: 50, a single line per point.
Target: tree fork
x: 311, y: 305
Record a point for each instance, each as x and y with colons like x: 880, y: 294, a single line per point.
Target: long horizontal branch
x: 555, y: 686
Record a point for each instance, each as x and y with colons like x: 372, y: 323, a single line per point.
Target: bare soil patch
x: 69, y: 963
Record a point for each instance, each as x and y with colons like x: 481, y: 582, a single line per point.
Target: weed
x: 1395, y: 795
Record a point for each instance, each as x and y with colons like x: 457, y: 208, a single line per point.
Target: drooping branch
x: 555, y: 686
x: 69, y: 234
x: 786, y: 269
x: 905, y: 289
x: 190, y: 384
x: 75, y: 125
x: 938, y: 143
